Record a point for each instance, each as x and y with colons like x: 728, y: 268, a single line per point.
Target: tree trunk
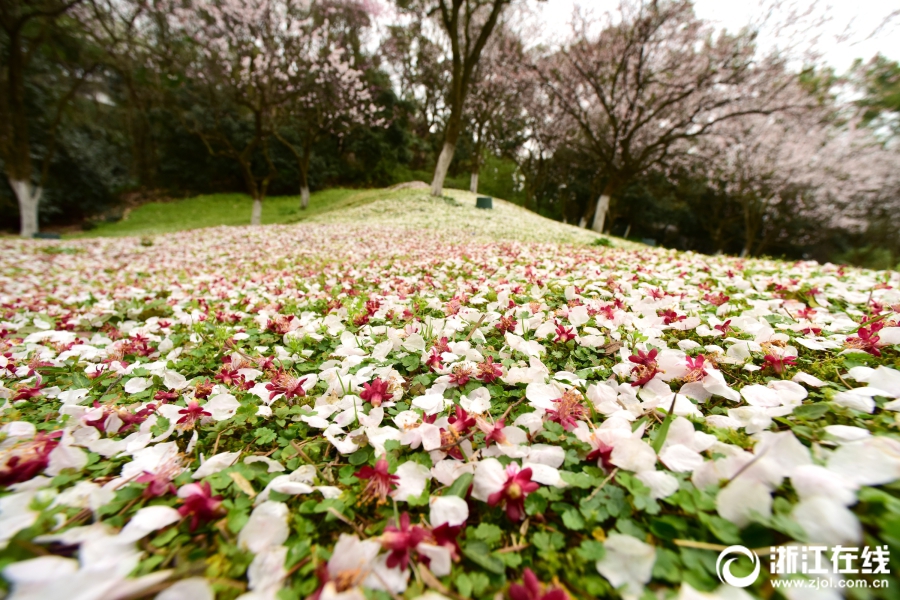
x: 256, y: 215
x: 473, y: 182
x: 443, y: 165
x: 600, y: 213
x: 303, y: 165
x: 28, y: 197
x: 304, y: 197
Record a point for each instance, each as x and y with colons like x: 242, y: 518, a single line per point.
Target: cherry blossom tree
x: 25, y: 26
x: 800, y: 164
x: 249, y: 64
x: 645, y: 81
x: 494, y: 110
x: 545, y: 129
x: 333, y: 93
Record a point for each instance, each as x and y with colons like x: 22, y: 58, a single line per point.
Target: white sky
x: 855, y: 19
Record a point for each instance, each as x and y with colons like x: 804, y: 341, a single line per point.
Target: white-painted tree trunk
x: 256, y: 215
x: 29, y: 198
x: 600, y: 214
x: 582, y: 222
x: 440, y: 171
x: 473, y: 183
x: 304, y: 196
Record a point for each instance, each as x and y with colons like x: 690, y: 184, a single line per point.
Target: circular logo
x: 724, y: 571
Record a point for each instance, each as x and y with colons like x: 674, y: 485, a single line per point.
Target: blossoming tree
x: 250, y: 65
x: 333, y: 93
x: 641, y: 83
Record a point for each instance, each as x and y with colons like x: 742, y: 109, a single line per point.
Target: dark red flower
x: 517, y: 487
x: 376, y: 392
x: 203, y: 390
x: 670, y: 316
x: 285, y: 383
x: 569, y: 410
x: 725, y: 327
x: 446, y: 535
x: 563, y: 334
x: 696, y: 368
x: 159, y: 484
x: 489, y: 371
x: 717, y: 299
x: 163, y: 396
x: 27, y: 393
x: 866, y: 339
x: 458, y: 426
x: 28, y: 458
x: 531, y: 589
x: 230, y: 377
x: 492, y: 433
x: 381, y: 482
x: 778, y: 363
x: 192, y: 413
x: 434, y: 360
x: 402, y: 541
x: 506, y: 324
x: 199, y: 503
x: 645, y: 367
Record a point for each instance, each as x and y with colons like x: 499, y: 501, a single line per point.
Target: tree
x: 495, y: 107
x: 122, y: 30
x: 239, y: 61
x: 31, y: 30
x: 333, y: 93
x: 468, y: 25
x: 649, y: 82
x: 879, y: 82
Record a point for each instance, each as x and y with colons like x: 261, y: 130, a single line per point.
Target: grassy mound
x: 402, y: 208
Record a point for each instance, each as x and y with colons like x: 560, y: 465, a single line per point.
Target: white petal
x: 873, y: 461
x: 827, y: 522
x: 448, y: 509
x: 266, y: 573
x: 661, y: 484
x: 192, y: 588
x: 680, y: 458
x: 759, y: 395
x: 267, y: 526
x: 490, y: 477
x: 813, y: 480
x: 136, y: 385
x: 412, y: 480
x: 740, y: 499
x: 633, y: 455
x: 222, y: 406
x: 147, y: 520
x: 272, y: 466
x: 174, y: 380
x: 216, y: 463
x: 441, y: 559
x: 628, y: 564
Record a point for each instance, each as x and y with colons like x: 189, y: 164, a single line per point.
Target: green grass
x: 409, y: 208
x: 223, y: 209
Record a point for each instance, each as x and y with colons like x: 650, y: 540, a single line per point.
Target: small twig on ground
x: 342, y: 518
x: 603, y: 483
x: 475, y: 328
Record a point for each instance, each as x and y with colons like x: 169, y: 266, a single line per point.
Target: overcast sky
x: 859, y: 18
